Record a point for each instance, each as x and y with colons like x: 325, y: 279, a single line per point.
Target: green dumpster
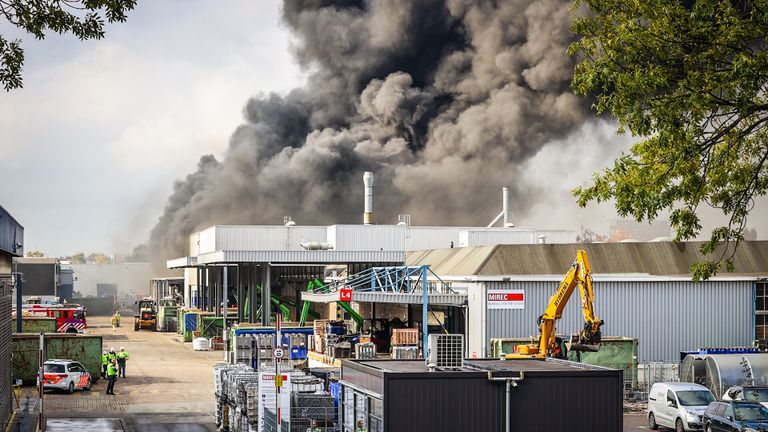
x: 85, y: 349
x: 36, y: 325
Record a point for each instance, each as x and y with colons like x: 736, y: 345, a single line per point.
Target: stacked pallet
x: 365, y: 350
x: 405, y: 344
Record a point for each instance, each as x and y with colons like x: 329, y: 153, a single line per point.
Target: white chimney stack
x: 368, y: 182
x: 505, y: 207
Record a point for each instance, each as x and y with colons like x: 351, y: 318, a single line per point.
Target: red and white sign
x: 506, y: 299
x: 345, y: 295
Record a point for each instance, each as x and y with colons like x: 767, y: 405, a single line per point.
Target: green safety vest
x: 111, y: 356
x: 104, y: 359
x: 122, y: 355
x: 111, y: 370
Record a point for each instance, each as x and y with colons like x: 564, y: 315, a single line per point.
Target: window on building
x: 761, y: 311
x: 361, y: 411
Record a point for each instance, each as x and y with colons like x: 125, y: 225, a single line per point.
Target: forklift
x: 147, y: 315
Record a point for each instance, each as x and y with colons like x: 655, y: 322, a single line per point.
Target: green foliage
x: 78, y: 258
x: 689, y: 77
x: 82, y: 18
x: 140, y: 254
x: 34, y: 254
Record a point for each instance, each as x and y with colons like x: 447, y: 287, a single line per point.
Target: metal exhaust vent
x: 446, y: 350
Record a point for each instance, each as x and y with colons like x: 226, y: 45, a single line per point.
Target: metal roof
x: 11, y: 234
x: 182, y: 262
x: 302, y: 257
x: 656, y: 258
x: 456, y: 299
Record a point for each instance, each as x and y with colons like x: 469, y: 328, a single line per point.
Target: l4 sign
x: 345, y: 295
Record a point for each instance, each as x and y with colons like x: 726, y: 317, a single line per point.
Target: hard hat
x: 103, y: 352
x: 121, y: 348
x: 112, y: 349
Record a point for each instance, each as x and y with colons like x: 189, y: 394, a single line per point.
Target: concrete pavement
x: 168, y: 386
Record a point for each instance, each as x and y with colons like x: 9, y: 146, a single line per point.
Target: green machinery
x: 283, y: 304
x: 316, y: 286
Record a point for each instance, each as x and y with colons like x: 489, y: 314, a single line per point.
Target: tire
x: 71, y: 387
x: 679, y: 426
x: 71, y: 330
x: 88, y: 386
x: 652, y: 421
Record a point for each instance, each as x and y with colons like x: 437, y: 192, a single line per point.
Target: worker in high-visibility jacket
x: 104, y: 363
x: 112, y: 355
x: 360, y: 427
x: 111, y: 377
x: 122, y: 357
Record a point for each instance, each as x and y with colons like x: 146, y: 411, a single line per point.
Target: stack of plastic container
x: 252, y: 405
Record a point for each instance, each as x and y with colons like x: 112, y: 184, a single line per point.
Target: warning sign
x: 506, y: 299
x: 345, y: 295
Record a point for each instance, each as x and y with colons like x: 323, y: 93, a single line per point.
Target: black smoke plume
x: 443, y: 99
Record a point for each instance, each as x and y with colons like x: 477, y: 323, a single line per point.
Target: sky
x: 94, y: 141
x: 101, y: 129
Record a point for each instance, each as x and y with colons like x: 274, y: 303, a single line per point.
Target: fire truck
x: 68, y: 319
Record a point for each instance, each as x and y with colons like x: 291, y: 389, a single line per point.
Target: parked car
x: 735, y: 416
x: 748, y: 393
x: 67, y: 375
x: 678, y: 405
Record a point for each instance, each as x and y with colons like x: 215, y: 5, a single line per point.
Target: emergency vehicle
x: 68, y: 319
x: 67, y: 375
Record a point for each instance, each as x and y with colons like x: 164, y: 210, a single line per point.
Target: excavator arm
x: 588, y: 339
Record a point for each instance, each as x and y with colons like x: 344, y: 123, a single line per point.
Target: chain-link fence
x: 303, y: 419
x: 654, y: 372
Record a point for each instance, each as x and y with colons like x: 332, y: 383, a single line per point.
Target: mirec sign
x: 506, y: 299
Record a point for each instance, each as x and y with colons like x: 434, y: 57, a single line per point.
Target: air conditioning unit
x: 446, y: 350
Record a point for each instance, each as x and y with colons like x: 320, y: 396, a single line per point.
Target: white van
x: 678, y: 405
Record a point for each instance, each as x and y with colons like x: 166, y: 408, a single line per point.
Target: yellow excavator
x: 588, y: 338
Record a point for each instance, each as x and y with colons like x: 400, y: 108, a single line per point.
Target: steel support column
x: 266, y: 294
x: 225, y: 337
x: 253, y: 305
x: 240, y: 302
x: 424, y: 307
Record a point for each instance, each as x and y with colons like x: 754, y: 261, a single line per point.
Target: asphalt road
x: 168, y: 387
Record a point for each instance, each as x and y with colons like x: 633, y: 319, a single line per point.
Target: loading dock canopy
x: 289, y: 257
x: 454, y: 299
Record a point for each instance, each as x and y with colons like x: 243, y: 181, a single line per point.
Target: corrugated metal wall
x: 5, y: 346
x: 444, y: 403
x: 665, y: 316
x: 424, y: 237
x: 367, y: 237
x: 276, y: 237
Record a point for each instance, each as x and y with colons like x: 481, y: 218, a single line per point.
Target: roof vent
x: 288, y: 221
x: 446, y: 351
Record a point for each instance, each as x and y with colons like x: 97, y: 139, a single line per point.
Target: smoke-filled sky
x: 91, y: 146
x: 263, y: 109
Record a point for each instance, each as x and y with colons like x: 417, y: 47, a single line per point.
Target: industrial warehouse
x: 350, y: 327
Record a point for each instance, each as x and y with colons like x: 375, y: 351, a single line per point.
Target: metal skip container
x: 36, y: 325
x: 81, y: 348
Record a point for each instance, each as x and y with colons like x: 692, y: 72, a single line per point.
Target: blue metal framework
x: 402, y: 279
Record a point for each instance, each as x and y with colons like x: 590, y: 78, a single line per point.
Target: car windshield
x: 695, y: 397
x: 756, y: 395
x: 750, y: 412
x: 53, y: 368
